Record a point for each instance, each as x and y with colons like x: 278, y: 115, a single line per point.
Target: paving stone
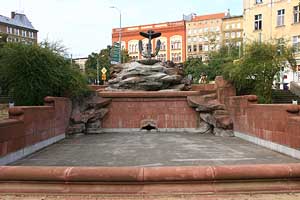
x: 153, y: 149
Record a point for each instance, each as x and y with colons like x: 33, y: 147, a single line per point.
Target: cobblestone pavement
x: 152, y: 149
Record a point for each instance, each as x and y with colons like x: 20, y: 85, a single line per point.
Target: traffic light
x: 115, y: 53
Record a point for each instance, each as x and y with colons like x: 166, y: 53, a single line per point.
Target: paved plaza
x: 151, y: 150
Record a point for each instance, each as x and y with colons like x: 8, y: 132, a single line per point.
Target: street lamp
x: 120, y: 30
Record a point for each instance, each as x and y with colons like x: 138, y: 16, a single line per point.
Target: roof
x: 233, y: 16
x: 19, y: 20
x: 208, y: 17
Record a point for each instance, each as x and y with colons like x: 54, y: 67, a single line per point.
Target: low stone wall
x: 274, y: 126
x: 30, y: 128
x: 201, y: 180
x: 166, y: 111
x: 201, y: 87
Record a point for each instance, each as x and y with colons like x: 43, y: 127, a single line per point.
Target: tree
x: 33, y: 72
x: 258, y: 68
x: 91, y: 67
x: 103, y: 60
x: 125, y: 56
x: 195, y: 67
x: 219, y: 59
x: 3, y: 39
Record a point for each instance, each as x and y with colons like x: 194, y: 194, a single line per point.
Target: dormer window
x: 258, y: 1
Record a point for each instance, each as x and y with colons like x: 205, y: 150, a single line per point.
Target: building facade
x: 274, y: 21
x: 80, y: 62
x: 232, y: 30
x: 18, y: 28
x: 204, y: 34
x: 173, y: 42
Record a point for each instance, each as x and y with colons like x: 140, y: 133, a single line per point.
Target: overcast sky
x: 85, y: 26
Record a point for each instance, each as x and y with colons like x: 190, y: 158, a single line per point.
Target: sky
x: 85, y: 26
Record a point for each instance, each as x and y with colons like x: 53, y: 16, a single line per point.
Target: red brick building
x: 173, y: 40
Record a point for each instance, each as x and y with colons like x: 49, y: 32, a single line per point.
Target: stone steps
x: 284, y: 97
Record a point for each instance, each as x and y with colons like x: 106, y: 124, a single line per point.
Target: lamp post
x: 120, y: 31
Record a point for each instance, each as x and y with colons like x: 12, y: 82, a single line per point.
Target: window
x: 233, y: 35
x: 176, y: 57
x: 227, y: 26
x: 233, y: 26
x: 239, y: 25
x: 23, y: 33
x: 296, y: 14
x: 258, y: 22
x: 190, y: 48
x: 200, y: 47
x: 195, y: 48
x: 280, y: 45
x: 258, y: 1
x: 176, y: 44
x: 226, y: 35
x: 280, y: 17
x: 9, y: 30
x: 238, y: 34
x: 205, y: 47
x: 296, y: 43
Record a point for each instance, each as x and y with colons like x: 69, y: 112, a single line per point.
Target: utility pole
x: 98, y: 79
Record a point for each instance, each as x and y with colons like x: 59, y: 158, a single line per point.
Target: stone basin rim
x: 150, y: 174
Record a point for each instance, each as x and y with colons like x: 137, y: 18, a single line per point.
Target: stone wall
x: 165, y: 113
x: 30, y: 128
x: 274, y: 126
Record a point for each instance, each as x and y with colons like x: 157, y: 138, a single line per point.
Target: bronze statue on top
x: 150, y: 35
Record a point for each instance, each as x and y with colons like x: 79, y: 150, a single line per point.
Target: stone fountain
x: 148, y: 74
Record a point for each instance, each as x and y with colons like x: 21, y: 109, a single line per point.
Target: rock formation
x: 86, y: 116
x: 214, y: 118
x: 137, y: 76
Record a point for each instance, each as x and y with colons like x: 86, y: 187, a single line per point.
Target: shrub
x: 256, y: 70
x: 33, y: 72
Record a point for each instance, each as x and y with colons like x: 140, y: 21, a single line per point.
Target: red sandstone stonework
x: 167, y: 112
x: 29, y: 125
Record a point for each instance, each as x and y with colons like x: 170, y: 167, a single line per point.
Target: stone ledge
x: 150, y: 174
x: 143, y: 94
x: 10, y: 122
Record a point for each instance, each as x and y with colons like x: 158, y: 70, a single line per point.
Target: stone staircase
x: 284, y: 97
x: 3, y: 111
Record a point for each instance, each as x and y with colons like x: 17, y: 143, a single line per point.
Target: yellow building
x: 232, y: 29
x: 273, y: 20
x: 204, y: 35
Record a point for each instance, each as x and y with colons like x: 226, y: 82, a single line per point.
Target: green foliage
x: 125, y: 56
x: 103, y: 60
x: 3, y: 39
x: 218, y: 60
x: 33, y: 72
x: 256, y: 71
x: 195, y: 67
